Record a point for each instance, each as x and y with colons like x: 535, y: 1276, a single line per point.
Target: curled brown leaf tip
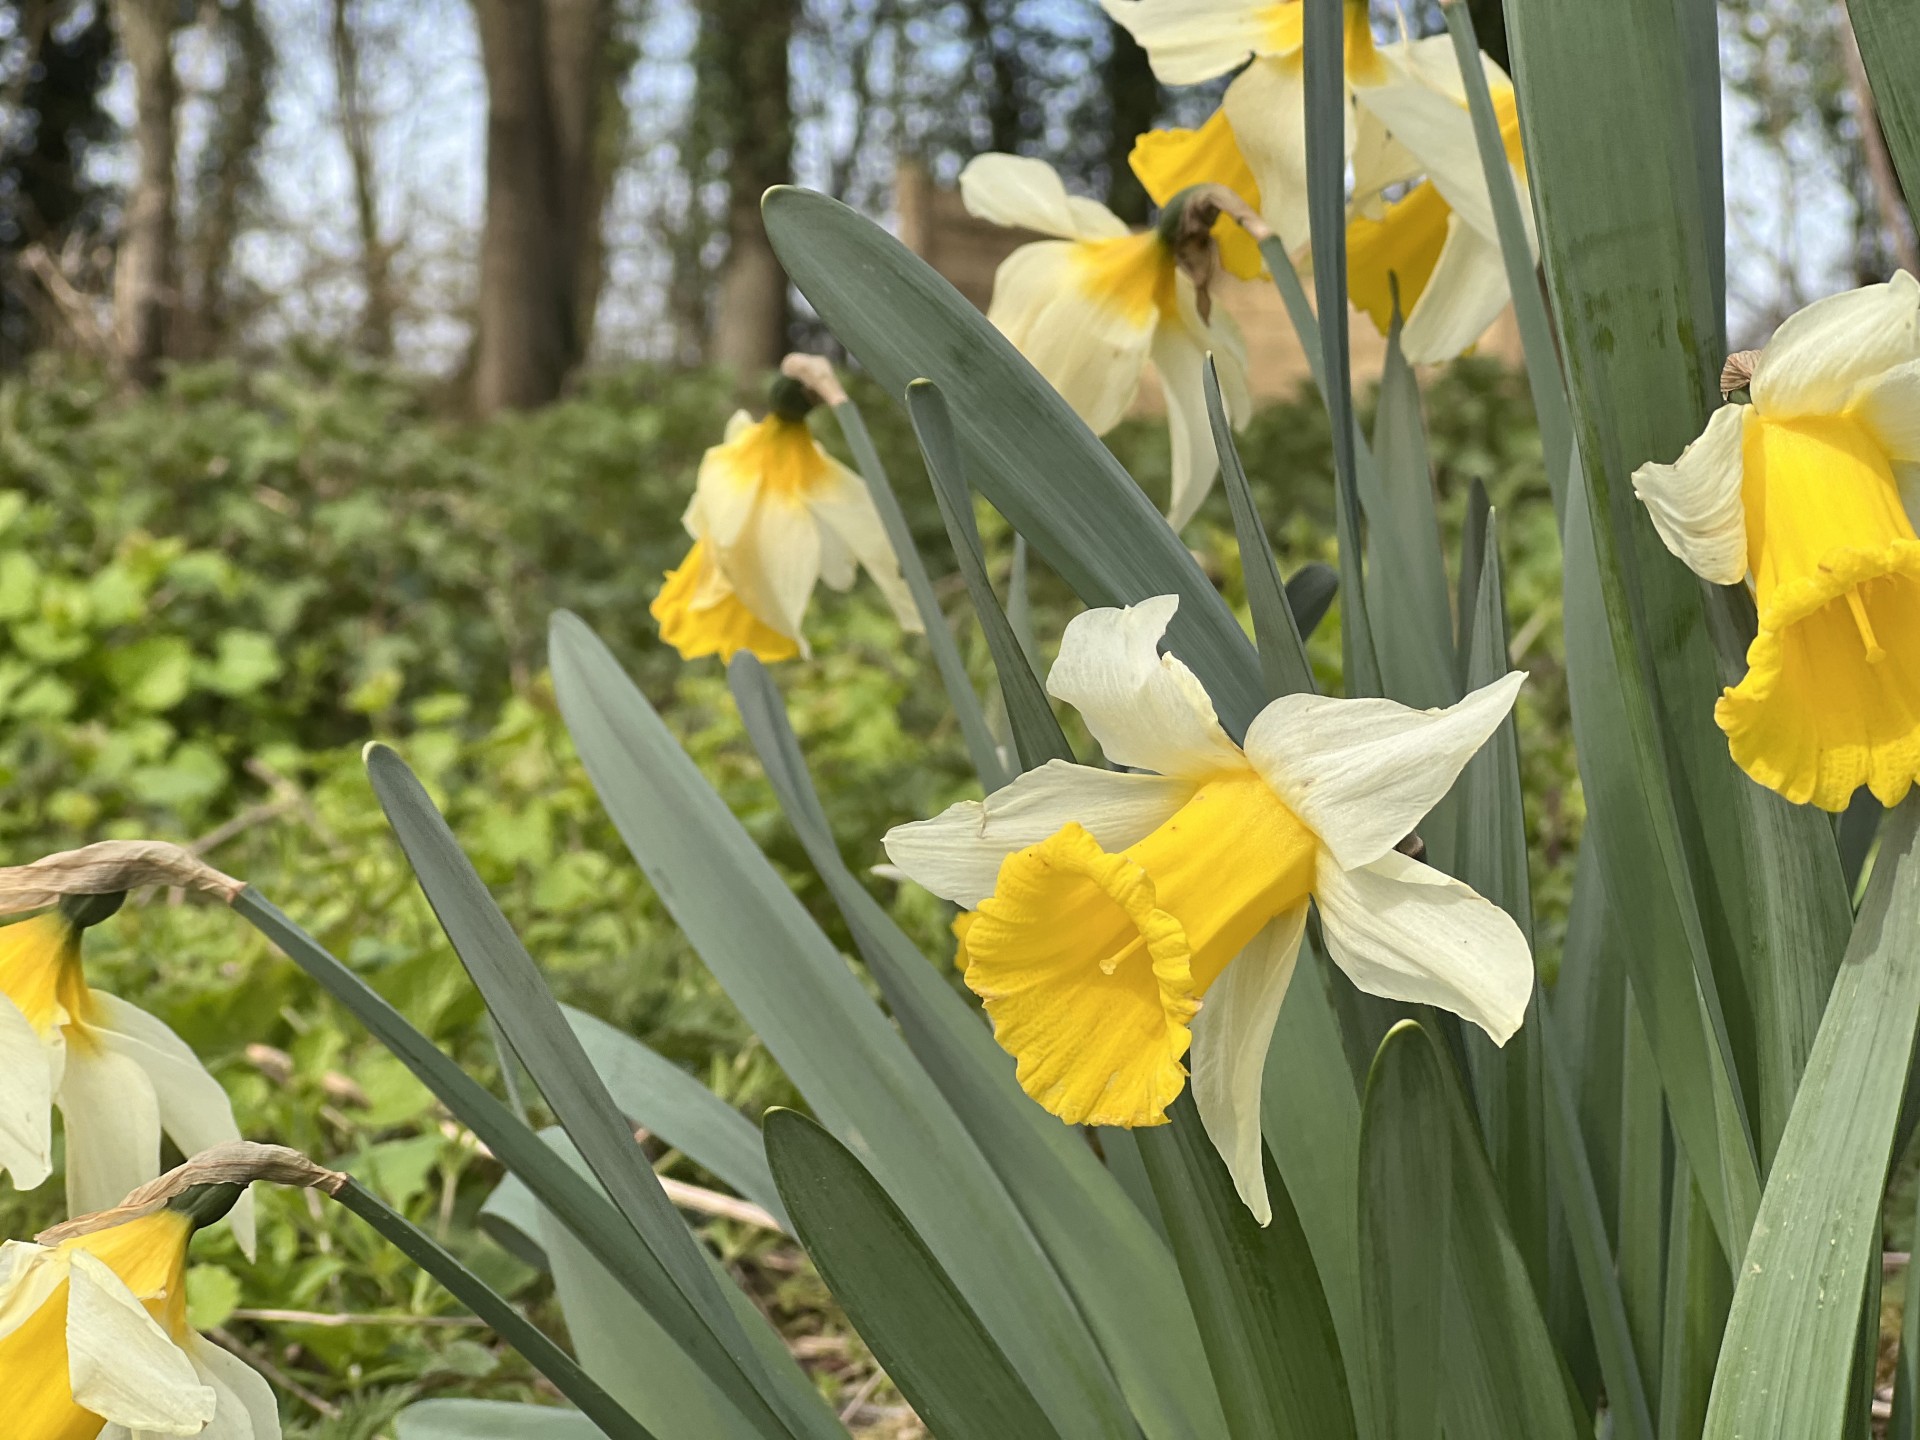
x: 238, y: 1162
x: 106, y: 868
x: 814, y: 372
x: 1737, y: 373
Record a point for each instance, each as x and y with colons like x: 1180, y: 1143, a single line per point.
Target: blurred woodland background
x: 497, y: 192
x: 342, y: 340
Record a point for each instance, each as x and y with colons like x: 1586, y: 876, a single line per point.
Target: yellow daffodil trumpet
x: 1094, y: 306
x: 772, y: 515
x: 1436, y: 240
x: 1120, y: 918
x: 1805, y: 495
x: 120, y: 1078
x: 94, y: 1339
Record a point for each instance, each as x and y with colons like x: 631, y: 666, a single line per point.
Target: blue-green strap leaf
x: 902, y: 1302
x: 985, y: 755
x: 1036, y: 733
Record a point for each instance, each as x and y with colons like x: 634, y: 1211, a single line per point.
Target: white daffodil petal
x: 194, y: 1109
x: 1465, y: 294
x: 1147, y: 710
x: 849, y: 521
x: 122, y: 1365
x: 1267, y: 107
x: 29, y: 1274
x: 1363, y: 773
x: 247, y: 1409
x: 112, y: 1125
x: 1404, y: 931
x: 957, y: 853
x: 776, y: 562
x: 1889, y: 406
x: 1231, y: 1035
x: 1191, y: 41
x: 1092, y: 350
x: 724, y: 497
x: 1180, y: 357
x: 1695, y: 502
x: 1820, y: 356
x: 1433, y: 122
x: 1027, y: 194
x: 26, y: 1100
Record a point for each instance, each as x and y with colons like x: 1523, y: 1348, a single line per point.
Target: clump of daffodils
x: 94, y: 1339
x: 1421, y: 235
x: 1804, y: 495
x: 1117, y: 918
x: 121, y: 1078
x: 772, y: 515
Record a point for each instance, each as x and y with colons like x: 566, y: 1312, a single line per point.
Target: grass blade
x: 1542, y: 358
x: 479, y: 1297
x: 1406, y: 571
x: 1699, y: 1290
x: 1455, y: 1331
x: 1256, y: 1293
x: 516, y: 994
x: 903, y: 1304
x: 1889, y: 36
x: 1788, y: 1355
x: 587, y: 1214
x: 1276, y: 629
x: 1118, y: 1269
x: 1036, y: 733
x: 657, y: 1095
x: 946, y: 654
x: 797, y: 992
x: 491, y: 1420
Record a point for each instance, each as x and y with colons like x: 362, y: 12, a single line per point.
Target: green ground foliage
x: 212, y: 597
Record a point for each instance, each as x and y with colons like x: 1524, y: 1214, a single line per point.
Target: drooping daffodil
x: 1093, y: 306
x: 1808, y: 494
x: 1168, y: 161
x: 1189, y: 42
x: 1436, y: 242
x: 120, y: 1078
x: 1117, y: 917
x: 94, y: 1338
x: 772, y: 514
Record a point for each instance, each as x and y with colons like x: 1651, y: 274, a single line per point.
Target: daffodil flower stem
x: 487, y: 1303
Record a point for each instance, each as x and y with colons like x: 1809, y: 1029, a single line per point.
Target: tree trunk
x: 145, y: 289
x: 546, y: 64
x: 376, y: 276
x: 748, y: 42
x: 226, y: 183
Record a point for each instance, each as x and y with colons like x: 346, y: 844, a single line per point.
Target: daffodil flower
x: 1091, y: 307
x: 1808, y: 494
x: 1437, y: 241
x: 1168, y: 161
x: 772, y: 514
x: 120, y: 1077
x: 95, y: 1344
x: 1192, y: 41
x: 1118, y: 916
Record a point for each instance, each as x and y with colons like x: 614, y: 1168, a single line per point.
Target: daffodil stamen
x: 1875, y: 654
